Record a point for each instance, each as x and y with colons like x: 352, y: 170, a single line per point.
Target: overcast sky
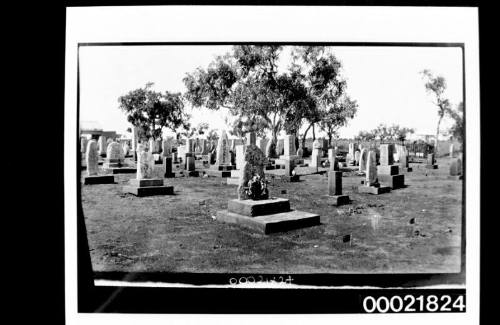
x: 385, y: 81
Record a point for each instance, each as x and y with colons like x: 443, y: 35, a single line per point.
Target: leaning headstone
x: 92, y: 160
x: 371, y: 184
x: 145, y: 184
x: 255, y: 209
x: 388, y: 172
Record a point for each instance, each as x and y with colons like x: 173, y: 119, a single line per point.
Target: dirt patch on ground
x: 410, y: 230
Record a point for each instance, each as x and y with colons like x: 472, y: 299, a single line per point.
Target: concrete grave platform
x: 233, y: 181
x: 271, y: 223
x: 393, y: 181
x: 222, y: 167
x: 253, y: 208
x: 434, y: 166
x: 455, y: 177
x: 373, y: 190
x: 218, y: 173
x: 148, y: 187
x: 406, y: 169
x: 98, y: 179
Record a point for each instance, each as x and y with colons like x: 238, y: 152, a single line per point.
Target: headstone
x: 262, y: 143
x: 363, y: 157
x: 452, y: 152
x: 190, y: 164
x: 289, y: 145
x: 92, y: 158
x: 386, y: 154
x: 240, y: 156
x: 332, y: 158
x: 280, y: 150
x: 300, y: 152
x: 167, y: 167
x: 456, y: 168
x: 251, y: 138
x: 83, y: 144
x: 270, y: 149
x: 126, y: 149
x: 253, y: 167
x: 371, y: 169
x: 356, y: 157
x: 431, y: 161
x: 223, y: 156
x: 145, y: 163
x: 134, y: 138
x: 166, y: 147
x: 151, y: 146
x: 102, y: 145
x: 316, y: 154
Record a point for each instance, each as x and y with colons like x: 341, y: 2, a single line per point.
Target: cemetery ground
x: 411, y: 230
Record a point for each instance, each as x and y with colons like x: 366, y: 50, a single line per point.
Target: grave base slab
x: 290, y: 179
x: 434, y: 166
x: 120, y: 170
x: 373, y: 190
x: 393, y: 181
x: 455, y: 177
x: 254, y: 208
x: 387, y: 170
x: 338, y: 199
x: 98, y: 179
x: 218, y: 173
x: 271, y: 223
x: 233, y: 181
x: 406, y: 169
x: 192, y: 173
x: 148, y: 190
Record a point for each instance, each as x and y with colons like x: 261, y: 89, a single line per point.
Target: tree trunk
x: 314, y: 132
x: 437, y: 136
x: 305, y: 136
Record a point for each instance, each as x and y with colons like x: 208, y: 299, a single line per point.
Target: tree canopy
x: 151, y: 111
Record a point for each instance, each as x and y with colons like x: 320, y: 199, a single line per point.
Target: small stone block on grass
x: 338, y: 199
x: 393, y: 181
x: 146, y: 182
x: 149, y: 190
x: 387, y: 170
x: 373, y: 190
x: 98, y: 179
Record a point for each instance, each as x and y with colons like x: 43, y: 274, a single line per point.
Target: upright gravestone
x: 166, y: 152
x: 240, y: 156
x: 431, y: 161
x: 280, y: 148
x: 363, y: 156
x: 371, y: 184
x: 222, y: 166
x: 92, y: 161
x: 114, y: 156
x: 300, y: 152
x: 254, y: 209
x: 102, y: 146
x: 452, y: 150
x: 335, y: 188
x: 188, y: 151
x: 83, y: 144
x: 332, y: 158
x: 456, y: 170
x: 270, y: 149
x: 316, y: 154
x: 357, y: 154
x: 404, y: 160
x: 145, y: 184
x: 350, y: 155
x: 388, y: 172
x: 262, y: 143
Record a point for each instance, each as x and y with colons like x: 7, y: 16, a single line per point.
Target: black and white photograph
x: 262, y: 161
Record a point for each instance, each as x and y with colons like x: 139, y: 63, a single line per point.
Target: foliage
x: 151, y: 111
x: 384, y: 132
x: 457, y: 131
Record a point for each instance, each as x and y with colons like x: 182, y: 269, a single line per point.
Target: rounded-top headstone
x: 114, y: 151
x: 253, y: 164
x: 371, y: 169
x: 363, y: 156
x: 145, y: 163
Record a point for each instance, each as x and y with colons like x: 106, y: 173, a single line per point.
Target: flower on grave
x: 257, y: 188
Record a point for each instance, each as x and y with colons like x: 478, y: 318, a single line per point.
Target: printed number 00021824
x: 409, y: 303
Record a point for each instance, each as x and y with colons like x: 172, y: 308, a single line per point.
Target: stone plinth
x: 455, y: 177
x: 233, y: 181
x: 406, y: 169
x: 167, y: 166
x: 376, y: 190
x: 271, y: 223
x: 98, y: 179
x: 218, y: 173
x: 251, y: 208
x: 120, y: 170
x: 338, y: 199
x: 433, y: 166
x: 387, y: 170
x: 148, y: 187
x: 393, y: 181
x: 290, y: 179
x: 222, y: 167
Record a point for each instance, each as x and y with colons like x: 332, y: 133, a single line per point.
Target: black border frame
x: 201, y: 300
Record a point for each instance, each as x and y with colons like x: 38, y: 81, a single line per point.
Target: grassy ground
x: 179, y: 234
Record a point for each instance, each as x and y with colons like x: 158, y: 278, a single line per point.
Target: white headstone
x: 223, y: 156
x: 145, y: 163
x: 92, y: 158
x: 371, y: 169
x: 363, y: 157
